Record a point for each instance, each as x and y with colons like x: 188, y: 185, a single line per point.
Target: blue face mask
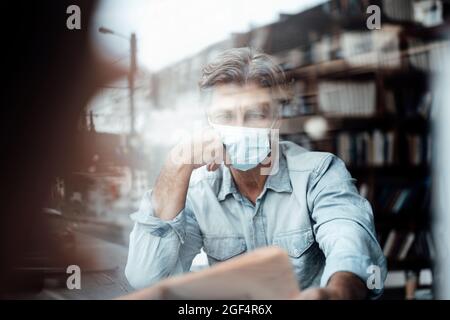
x: 246, y: 147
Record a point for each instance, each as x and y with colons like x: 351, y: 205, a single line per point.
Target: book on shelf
x: 381, y: 148
x: 428, y: 13
x: 347, y: 98
x: 400, y: 245
x: 345, y: 8
x: 402, y: 10
x: 417, y: 150
x: 366, y: 148
x: 427, y: 56
x: 322, y: 49
x: 406, y: 245
x: 357, y: 48
x: 389, y: 244
x: 412, y: 199
x: 425, y: 246
x: 372, y: 49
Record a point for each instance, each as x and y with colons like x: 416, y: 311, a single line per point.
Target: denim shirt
x: 310, y: 208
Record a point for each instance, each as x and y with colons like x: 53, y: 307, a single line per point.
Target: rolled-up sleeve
x: 160, y: 248
x: 344, y: 226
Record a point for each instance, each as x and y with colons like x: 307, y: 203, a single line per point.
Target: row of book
x: 400, y: 245
x: 379, y: 49
x: 345, y: 7
x: 429, y: 57
x: 358, y: 48
x: 402, y: 10
x: 347, y: 98
x: 359, y: 99
x: 365, y: 148
x: 363, y: 47
x: 426, y: 12
x: 391, y: 199
x: 350, y: 98
x: 381, y: 148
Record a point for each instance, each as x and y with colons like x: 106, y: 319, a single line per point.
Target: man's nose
x: 240, y: 119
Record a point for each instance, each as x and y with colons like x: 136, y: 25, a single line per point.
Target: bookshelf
x: 374, y: 93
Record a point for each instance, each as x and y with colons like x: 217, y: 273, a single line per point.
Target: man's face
x: 242, y: 106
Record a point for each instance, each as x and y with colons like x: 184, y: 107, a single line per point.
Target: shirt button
x: 296, y: 252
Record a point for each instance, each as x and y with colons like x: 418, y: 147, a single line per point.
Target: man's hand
x: 202, y: 148
x: 341, y: 286
x: 169, y: 194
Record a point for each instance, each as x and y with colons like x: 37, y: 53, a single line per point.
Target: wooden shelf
x: 358, y: 22
x: 391, y: 170
x: 336, y: 68
x: 408, y: 264
x: 418, y: 220
x: 439, y: 32
x: 386, y: 78
x: 342, y: 68
x: 355, y: 123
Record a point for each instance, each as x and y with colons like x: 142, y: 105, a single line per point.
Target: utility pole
x: 131, y: 141
x: 131, y: 74
x: 131, y: 85
x: 131, y: 81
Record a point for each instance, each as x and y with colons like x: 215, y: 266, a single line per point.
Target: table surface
x: 103, y: 278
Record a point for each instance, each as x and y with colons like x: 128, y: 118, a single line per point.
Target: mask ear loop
x: 276, y: 118
x: 213, y: 126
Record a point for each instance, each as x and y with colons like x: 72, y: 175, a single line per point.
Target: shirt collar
x: 279, y: 182
x: 227, y: 185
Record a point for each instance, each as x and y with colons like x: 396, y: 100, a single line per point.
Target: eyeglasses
x: 255, y: 116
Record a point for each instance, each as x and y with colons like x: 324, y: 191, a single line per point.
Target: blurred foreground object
x: 441, y: 178
x: 261, y: 274
x: 51, y: 73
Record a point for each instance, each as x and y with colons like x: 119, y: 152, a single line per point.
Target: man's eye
x: 223, y: 117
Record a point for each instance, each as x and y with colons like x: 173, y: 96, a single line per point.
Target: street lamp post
x: 131, y: 87
x: 131, y: 73
x: 131, y: 78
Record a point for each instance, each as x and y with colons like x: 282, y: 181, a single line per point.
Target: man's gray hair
x: 243, y: 66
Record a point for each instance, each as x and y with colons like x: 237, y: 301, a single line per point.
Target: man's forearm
x: 169, y: 193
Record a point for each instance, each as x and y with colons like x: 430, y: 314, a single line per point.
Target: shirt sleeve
x: 160, y: 248
x: 344, y: 226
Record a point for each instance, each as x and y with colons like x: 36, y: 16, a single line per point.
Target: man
x: 262, y: 194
